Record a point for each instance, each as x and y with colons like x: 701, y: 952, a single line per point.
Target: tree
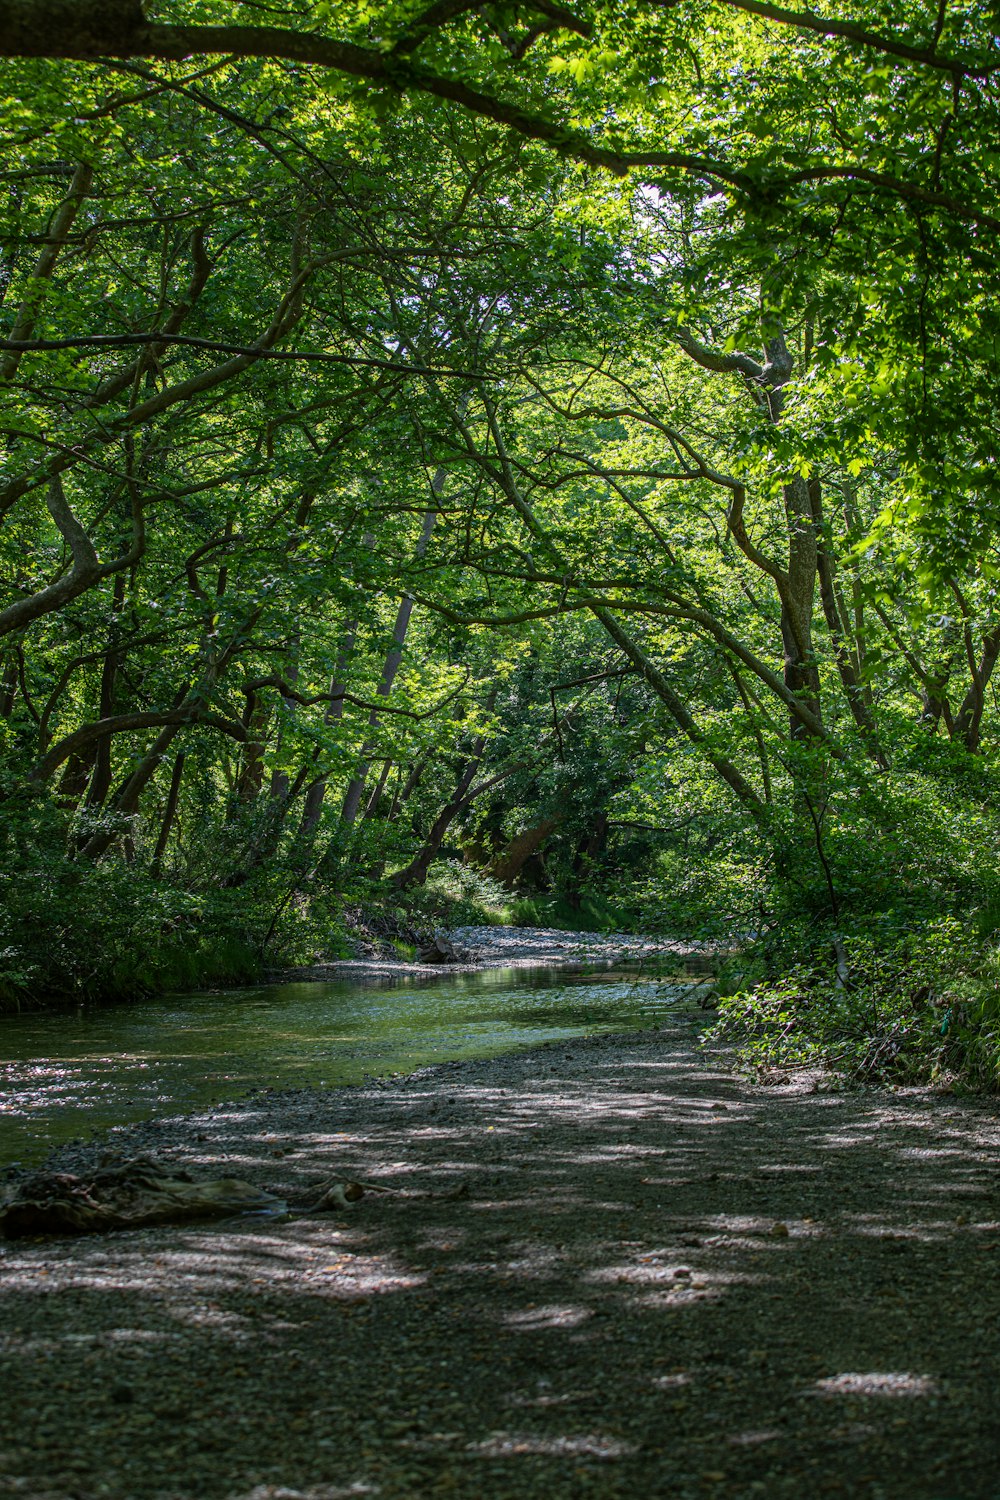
x: 654, y: 344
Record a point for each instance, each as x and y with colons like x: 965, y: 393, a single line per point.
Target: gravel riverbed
x: 516, y: 948
x: 606, y: 1267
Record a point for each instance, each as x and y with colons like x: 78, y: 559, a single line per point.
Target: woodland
x: 524, y: 461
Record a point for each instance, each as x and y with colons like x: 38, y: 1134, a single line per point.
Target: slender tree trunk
x: 409, y: 786
x: 374, y: 801
x: 100, y: 783
x: 839, y: 635
x: 800, y: 672
x: 356, y: 787
x: 8, y: 687
x: 251, y: 777
x: 681, y: 714
x: 312, y: 808
x: 127, y: 802
x: 55, y: 239
x: 76, y: 778
x: 415, y: 873
x: 968, y: 720
x: 169, y: 813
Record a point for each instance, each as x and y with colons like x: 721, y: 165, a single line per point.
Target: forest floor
x: 660, y: 1280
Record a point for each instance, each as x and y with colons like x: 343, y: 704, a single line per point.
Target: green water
x: 65, y: 1076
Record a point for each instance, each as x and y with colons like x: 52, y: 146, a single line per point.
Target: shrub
x: 912, y: 1006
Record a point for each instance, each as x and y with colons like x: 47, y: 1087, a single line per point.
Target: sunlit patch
x: 514, y: 1445
x: 210, y: 1265
x: 927, y: 1153
x: 549, y: 1399
x: 755, y: 1437
x: 877, y: 1229
x: 680, y: 1294
x: 673, y: 1280
x: 366, y: 1279
x: 797, y: 1167
x: 552, y: 1315
x: 38, y: 1348
x: 314, y: 1492
x: 888, y: 1383
x: 646, y: 1271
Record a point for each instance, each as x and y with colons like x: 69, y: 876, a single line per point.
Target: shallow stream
x: 63, y: 1076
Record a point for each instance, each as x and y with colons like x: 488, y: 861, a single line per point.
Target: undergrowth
x: 905, y: 1007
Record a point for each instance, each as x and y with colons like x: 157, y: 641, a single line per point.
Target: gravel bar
x: 515, y: 948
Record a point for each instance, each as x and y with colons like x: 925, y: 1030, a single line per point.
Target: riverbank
x: 605, y: 1267
x: 500, y: 947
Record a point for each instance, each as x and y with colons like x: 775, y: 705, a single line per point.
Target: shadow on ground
x: 661, y: 1283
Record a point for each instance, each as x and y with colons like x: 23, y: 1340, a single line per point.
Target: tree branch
x: 851, y: 31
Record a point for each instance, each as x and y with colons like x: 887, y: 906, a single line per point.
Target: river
x: 65, y: 1076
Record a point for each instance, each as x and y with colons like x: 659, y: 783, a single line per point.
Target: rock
x: 440, y: 950
x: 127, y: 1195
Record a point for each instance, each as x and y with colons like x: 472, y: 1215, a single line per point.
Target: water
x: 65, y: 1076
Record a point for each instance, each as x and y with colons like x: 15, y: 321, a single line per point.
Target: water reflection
x: 63, y: 1076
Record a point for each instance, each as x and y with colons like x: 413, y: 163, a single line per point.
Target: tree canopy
x: 556, y: 437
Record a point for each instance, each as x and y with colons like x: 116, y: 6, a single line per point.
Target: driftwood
x: 137, y: 1193
x: 334, y: 1193
x: 127, y: 1195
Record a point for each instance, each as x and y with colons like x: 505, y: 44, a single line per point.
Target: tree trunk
x: 313, y: 805
x: 508, y: 867
x: 415, y: 873
x: 251, y: 777
x: 55, y: 239
x: 169, y: 812
x: 800, y: 672
x: 356, y: 787
x: 847, y: 665
x: 968, y: 720
x: 127, y: 801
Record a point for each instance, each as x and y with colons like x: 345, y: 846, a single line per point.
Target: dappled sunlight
x: 895, y: 1383
x: 55, y: 1345
x: 546, y: 1398
x: 738, y: 1281
x: 64, y: 1076
x: 514, y: 1445
x: 755, y: 1437
x: 313, y: 1492
x: 531, y: 1317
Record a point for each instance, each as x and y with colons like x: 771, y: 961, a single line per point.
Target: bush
x: 455, y: 895
x: 586, y: 913
x: 911, y: 1007
x: 74, y: 930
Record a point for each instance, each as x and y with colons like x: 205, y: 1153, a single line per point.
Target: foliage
x: 911, y: 1006
x: 457, y: 895
x: 488, y: 461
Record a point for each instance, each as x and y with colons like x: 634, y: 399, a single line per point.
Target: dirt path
x: 662, y: 1282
